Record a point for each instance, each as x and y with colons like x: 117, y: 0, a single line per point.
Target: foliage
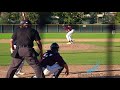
x: 63, y: 17
x: 13, y: 17
x: 69, y: 17
x: 93, y: 18
x: 4, y: 18
x: 117, y: 18
x: 107, y: 19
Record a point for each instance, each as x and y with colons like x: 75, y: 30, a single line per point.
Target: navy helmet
x: 54, y: 46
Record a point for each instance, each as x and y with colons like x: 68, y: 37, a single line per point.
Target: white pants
x: 51, y: 69
x: 68, y: 35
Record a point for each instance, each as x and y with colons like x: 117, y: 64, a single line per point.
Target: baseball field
x: 91, y: 54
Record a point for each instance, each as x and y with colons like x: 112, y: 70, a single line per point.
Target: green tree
x: 117, y: 18
x: 108, y: 18
x: 37, y: 17
x: 4, y: 18
x: 13, y: 18
x: 69, y: 17
x: 32, y: 16
x: 93, y: 18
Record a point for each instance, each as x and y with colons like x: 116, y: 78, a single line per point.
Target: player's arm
x: 11, y: 44
x: 39, y: 44
x: 14, y: 36
x: 62, y: 63
x: 66, y: 68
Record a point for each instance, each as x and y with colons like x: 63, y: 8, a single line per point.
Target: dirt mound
x: 64, y: 47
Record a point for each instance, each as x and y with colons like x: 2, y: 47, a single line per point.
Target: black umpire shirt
x: 25, y: 36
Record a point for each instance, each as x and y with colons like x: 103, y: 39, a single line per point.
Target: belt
x: 24, y: 46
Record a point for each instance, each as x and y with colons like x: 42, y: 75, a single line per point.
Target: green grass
x: 5, y: 57
x: 5, y: 35
x: 85, y: 58
x: 63, y: 35
x: 72, y: 57
x: 115, y: 44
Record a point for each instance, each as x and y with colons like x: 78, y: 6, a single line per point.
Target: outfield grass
x: 71, y: 57
x: 74, y: 57
x: 63, y: 35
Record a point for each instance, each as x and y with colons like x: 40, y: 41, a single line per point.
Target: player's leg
x: 57, y: 73
x: 19, y: 70
x: 13, y: 67
x: 34, y: 63
x: 54, y: 69
x: 51, y: 69
x: 70, y: 34
x: 68, y: 37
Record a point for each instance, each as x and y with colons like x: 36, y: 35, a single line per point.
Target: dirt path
x: 76, y: 71
x: 64, y: 40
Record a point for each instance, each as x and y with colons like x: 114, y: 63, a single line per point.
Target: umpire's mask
x: 25, y: 23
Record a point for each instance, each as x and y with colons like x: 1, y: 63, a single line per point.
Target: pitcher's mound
x: 64, y: 46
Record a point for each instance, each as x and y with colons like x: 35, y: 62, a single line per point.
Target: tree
x: 13, y: 18
x: 4, y: 17
x: 108, y: 18
x: 117, y: 18
x: 16, y: 17
x: 69, y: 17
x: 93, y: 18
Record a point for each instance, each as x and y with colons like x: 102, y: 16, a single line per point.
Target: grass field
x: 62, y: 35
x: 73, y: 56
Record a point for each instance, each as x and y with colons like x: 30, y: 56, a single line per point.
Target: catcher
x: 52, y: 62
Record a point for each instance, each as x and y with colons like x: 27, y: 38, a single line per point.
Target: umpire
x: 25, y: 37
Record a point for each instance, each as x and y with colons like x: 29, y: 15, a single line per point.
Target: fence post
x: 46, y: 28
x: 12, y: 28
x: 79, y: 27
x: 102, y: 27
x: 92, y: 28
x: 57, y: 28
x: 1, y: 28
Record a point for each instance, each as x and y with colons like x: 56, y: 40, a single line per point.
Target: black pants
x: 25, y: 54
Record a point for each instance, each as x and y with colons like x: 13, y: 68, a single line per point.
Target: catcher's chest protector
x: 48, y: 55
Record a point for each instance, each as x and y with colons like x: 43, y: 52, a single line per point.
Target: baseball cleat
x: 68, y: 43
x: 15, y: 76
x: 34, y: 76
x: 71, y: 42
x: 20, y: 73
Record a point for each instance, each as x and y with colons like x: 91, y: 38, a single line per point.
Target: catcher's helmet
x: 54, y: 46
